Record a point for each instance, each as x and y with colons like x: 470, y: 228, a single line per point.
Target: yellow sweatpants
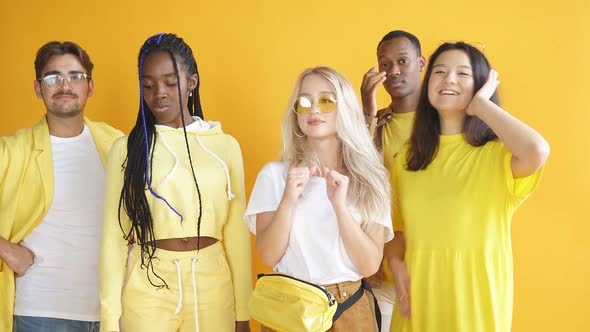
x: 146, y: 308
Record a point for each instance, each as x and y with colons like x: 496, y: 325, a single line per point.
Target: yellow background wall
x: 250, y: 53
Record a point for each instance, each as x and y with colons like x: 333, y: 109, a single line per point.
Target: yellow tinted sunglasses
x: 325, y: 104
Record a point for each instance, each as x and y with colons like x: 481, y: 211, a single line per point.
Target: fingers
x: 312, y: 170
x: 493, y: 77
x: 295, y: 183
x: 19, y: 259
x: 334, y: 178
x: 299, y: 175
x: 325, y: 171
x: 491, y: 84
x: 372, y: 70
x: 372, y: 79
x: 331, y: 177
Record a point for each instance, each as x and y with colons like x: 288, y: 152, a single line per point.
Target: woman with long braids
x: 322, y: 214
x: 175, y: 250
x: 468, y: 166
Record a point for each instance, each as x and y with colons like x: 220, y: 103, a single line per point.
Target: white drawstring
x: 230, y: 195
x: 173, y: 154
x: 179, y: 306
x: 194, y: 260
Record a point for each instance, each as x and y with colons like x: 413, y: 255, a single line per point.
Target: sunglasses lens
x: 326, y: 104
x: 302, y: 105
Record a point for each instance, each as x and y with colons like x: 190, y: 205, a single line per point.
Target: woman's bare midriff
x: 185, y: 243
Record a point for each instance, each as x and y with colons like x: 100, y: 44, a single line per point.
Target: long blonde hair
x: 368, y: 189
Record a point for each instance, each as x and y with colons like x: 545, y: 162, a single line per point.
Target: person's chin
x: 397, y: 93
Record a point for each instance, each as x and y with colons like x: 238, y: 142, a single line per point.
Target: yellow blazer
x: 26, y: 191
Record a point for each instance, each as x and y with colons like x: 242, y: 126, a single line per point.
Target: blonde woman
x: 322, y: 213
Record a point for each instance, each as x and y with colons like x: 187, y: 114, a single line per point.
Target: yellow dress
x: 456, y: 216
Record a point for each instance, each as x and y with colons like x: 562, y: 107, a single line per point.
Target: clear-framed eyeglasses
x: 54, y: 82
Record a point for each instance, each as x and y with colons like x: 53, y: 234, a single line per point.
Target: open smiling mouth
x: 448, y: 93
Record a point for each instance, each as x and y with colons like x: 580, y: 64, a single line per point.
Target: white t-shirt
x: 63, y: 280
x: 315, y: 252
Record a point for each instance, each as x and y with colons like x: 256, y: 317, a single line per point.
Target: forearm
x: 525, y: 144
x: 365, y: 252
x: 272, y: 241
x: 16, y: 257
x: 395, y: 250
x: 5, y: 248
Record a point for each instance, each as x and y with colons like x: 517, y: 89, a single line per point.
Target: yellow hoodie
x: 219, y: 170
x: 26, y: 190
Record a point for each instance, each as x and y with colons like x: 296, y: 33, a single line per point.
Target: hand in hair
x: 371, y: 80
x: 529, y: 149
x: 295, y: 183
x: 337, y: 187
x: 485, y: 93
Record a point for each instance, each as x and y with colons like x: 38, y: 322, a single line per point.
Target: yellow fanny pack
x: 287, y: 304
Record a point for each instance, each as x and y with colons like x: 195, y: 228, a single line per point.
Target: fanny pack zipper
x: 330, y: 296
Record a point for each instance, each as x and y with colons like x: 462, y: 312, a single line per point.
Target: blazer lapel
x: 44, y: 159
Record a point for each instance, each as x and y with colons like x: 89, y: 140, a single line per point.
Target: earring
x: 297, y: 134
x: 190, y: 93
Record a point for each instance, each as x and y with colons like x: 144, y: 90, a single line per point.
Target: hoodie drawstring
x: 194, y: 278
x: 193, y: 261
x: 179, y: 306
x: 173, y: 154
x: 230, y: 195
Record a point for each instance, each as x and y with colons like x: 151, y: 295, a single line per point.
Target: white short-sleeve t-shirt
x: 315, y: 252
x: 63, y: 281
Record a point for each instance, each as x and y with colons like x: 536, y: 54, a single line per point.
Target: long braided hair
x: 140, y: 147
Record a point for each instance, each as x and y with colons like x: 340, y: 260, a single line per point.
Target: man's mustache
x: 65, y: 94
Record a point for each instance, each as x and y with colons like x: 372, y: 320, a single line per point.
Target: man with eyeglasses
x: 51, y: 200
x: 399, y: 69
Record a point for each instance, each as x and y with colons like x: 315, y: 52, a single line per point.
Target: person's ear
x: 192, y: 82
x: 90, y: 87
x: 37, y: 86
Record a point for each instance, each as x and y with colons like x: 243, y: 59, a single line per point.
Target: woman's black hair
x: 141, y: 141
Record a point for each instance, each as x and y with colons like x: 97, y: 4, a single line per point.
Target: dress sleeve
x: 519, y: 188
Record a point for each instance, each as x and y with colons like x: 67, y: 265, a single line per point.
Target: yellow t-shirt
x: 456, y: 218
x: 395, y: 134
